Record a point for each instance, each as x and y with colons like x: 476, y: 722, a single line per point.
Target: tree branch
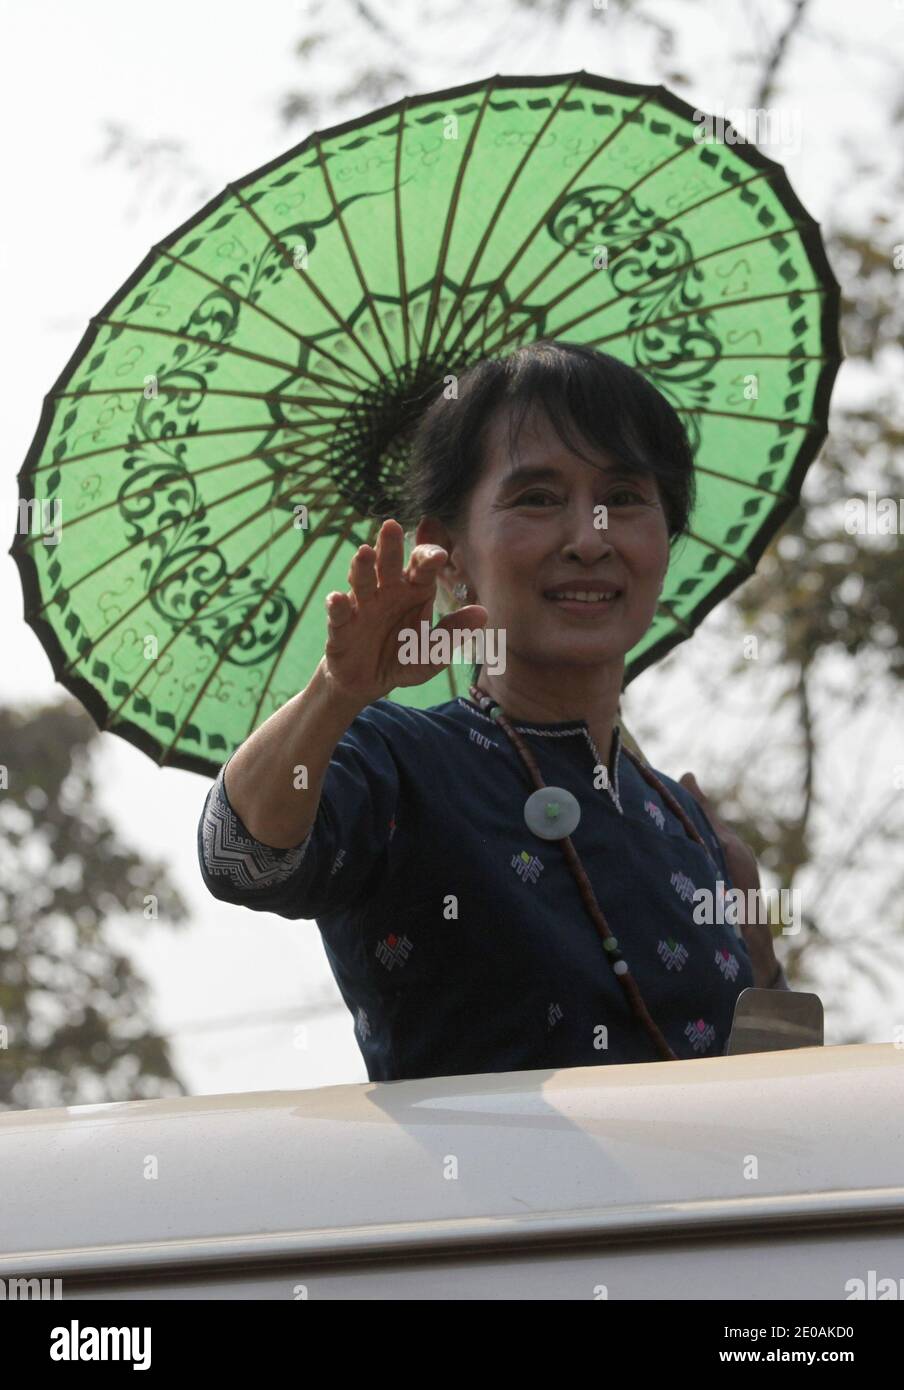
x: 779, y: 51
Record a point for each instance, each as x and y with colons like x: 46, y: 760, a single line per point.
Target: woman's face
x: 532, y: 531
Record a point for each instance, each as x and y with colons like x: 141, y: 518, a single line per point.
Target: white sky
x: 209, y: 75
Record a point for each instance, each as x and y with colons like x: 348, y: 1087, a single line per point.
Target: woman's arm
x: 347, y: 844
x: 275, y: 778
x: 361, y: 664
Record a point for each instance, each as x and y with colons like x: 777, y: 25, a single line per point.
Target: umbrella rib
x: 264, y: 598
x: 739, y: 561
x: 353, y: 254
x: 669, y: 609
x: 779, y: 494
x: 698, y: 310
x: 566, y: 250
x: 149, y: 491
x: 503, y: 275
x: 451, y: 211
x: 750, y: 419
x: 280, y: 397
x: 314, y: 287
x: 113, y: 712
x: 82, y: 655
x: 170, y: 439
x: 315, y: 403
x: 497, y: 211
x: 665, y: 222
x: 276, y: 397
x: 285, y: 327
x: 245, y: 353
x: 641, y: 285
x: 767, y: 357
x: 312, y: 588
x: 704, y: 309
x: 400, y: 236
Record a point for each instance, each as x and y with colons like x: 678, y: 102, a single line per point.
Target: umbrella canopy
x: 235, y: 421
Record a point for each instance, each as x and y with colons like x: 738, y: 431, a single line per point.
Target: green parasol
x: 234, y: 422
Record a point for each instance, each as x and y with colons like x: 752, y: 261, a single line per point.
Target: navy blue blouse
x: 458, y: 938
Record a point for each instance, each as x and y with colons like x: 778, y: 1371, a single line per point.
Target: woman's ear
x: 429, y: 531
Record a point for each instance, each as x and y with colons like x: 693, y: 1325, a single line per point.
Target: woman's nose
x: 586, y: 534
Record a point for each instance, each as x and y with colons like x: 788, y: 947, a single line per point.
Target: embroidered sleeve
x: 344, y: 852
x: 232, y: 856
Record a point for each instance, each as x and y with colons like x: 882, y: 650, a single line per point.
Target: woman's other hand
x: 745, y: 874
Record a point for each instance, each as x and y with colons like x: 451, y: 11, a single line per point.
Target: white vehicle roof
x: 469, y: 1160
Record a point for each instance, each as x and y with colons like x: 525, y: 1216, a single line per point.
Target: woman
x: 463, y: 931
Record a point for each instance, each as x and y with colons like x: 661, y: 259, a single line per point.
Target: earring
x: 460, y: 591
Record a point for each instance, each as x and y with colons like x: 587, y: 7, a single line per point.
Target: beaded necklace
x: 620, y: 967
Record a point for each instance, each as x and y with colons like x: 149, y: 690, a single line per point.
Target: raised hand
x: 361, y: 657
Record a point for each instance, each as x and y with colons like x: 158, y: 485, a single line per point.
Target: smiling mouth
x: 581, y: 600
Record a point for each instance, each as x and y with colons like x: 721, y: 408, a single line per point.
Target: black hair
x: 609, y: 403
x: 588, y: 396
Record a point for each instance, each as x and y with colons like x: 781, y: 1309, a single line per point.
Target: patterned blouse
x: 458, y: 938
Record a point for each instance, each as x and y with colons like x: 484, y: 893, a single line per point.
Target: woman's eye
x: 630, y: 492
x: 528, y: 498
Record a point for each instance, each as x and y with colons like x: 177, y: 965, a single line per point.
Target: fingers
x: 688, y: 780
x: 390, y: 552
x: 373, y: 567
x: 362, y: 573
x: 425, y: 563
x: 339, y: 610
